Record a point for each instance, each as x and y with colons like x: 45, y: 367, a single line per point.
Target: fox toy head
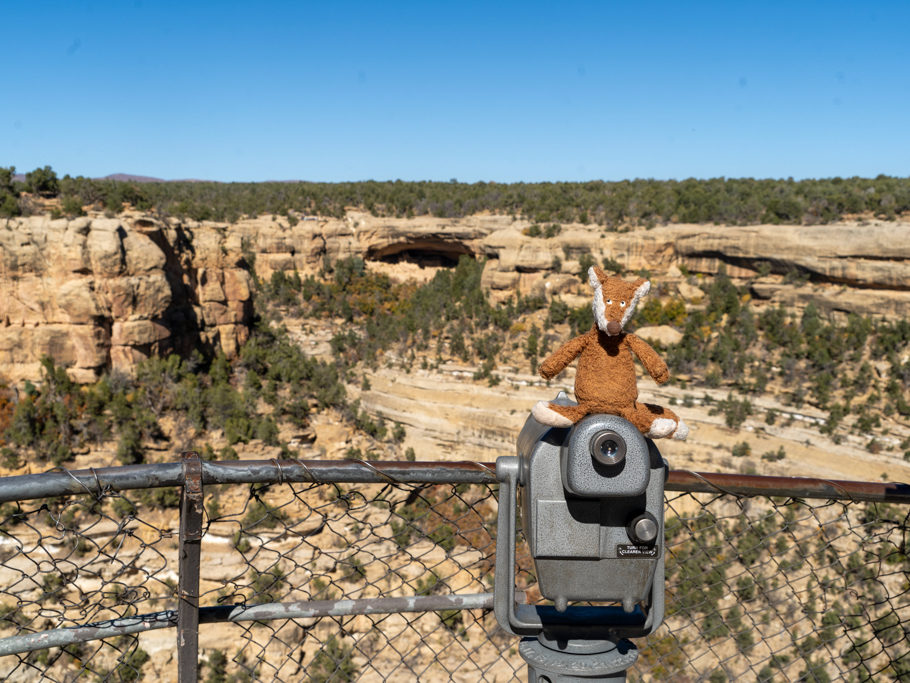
x: 614, y: 299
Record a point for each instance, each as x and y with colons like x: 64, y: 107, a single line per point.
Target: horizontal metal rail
x: 788, y: 487
x: 62, y: 637
x: 96, y: 481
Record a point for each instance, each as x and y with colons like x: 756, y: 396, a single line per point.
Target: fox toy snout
x: 614, y: 299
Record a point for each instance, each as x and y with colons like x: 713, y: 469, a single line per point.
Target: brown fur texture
x: 605, y: 381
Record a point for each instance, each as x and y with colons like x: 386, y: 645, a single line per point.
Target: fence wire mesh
x: 758, y: 588
x: 65, y: 562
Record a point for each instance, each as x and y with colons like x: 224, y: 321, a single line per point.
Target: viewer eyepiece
x: 608, y: 447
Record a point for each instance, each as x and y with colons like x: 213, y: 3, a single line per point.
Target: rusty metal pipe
x: 97, y: 480
x: 789, y: 487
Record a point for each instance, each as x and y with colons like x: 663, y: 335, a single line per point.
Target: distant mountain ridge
x: 130, y: 178
x: 127, y: 178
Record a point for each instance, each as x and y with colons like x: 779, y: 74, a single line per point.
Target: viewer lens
x: 608, y: 447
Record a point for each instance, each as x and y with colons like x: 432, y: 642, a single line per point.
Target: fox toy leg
x: 556, y: 415
x: 656, y: 422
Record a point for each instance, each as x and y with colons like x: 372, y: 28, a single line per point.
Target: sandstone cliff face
x: 104, y: 293
x: 874, y: 255
x: 306, y: 245
x: 97, y: 293
x: 858, y: 268
x: 848, y: 268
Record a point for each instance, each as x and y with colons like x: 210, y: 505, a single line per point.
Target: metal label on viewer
x: 629, y: 550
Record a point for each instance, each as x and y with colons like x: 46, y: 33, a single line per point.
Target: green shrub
x: 585, y: 261
x: 216, y: 663
x: 443, y: 536
x: 334, y: 662
x: 773, y: 456
x: 741, y: 450
x: 168, y: 497
x: 129, y: 448
x: 130, y: 664
x: 266, y: 585
x: 261, y: 514
x: 71, y: 206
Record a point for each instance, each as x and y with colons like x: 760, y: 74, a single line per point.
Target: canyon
x: 98, y: 294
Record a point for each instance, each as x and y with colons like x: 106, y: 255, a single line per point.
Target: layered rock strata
x: 96, y: 293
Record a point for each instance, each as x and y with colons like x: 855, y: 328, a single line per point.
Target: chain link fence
x: 339, y: 571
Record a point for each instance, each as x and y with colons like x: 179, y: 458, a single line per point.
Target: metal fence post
x: 188, y: 582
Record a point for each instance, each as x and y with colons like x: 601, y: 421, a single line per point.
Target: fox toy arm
x: 653, y: 363
x: 557, y: 361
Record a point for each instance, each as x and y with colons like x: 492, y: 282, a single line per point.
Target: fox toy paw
x: 660, y: 428
x: 681, y: 432
x: 545, y: 415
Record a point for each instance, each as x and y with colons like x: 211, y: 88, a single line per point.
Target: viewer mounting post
x: 592, y: 507
x: 188, y: 580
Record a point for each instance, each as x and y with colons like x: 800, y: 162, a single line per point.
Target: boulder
x: 662, y: 335
x: 139, y: 333
x: 689, y: 292
x: 76, y: 299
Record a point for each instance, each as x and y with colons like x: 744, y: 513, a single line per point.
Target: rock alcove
x: 424, y: 253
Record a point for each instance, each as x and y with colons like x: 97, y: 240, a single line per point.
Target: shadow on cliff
x: 181, y: 316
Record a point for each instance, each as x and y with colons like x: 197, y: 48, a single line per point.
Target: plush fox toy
x: 605, y: 380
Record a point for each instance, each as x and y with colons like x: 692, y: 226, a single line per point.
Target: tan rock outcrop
x: 98, y: 292
x: 871, y: 303
x: 875, y: 255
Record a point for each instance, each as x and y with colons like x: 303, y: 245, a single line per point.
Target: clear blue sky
x: 502, y: 91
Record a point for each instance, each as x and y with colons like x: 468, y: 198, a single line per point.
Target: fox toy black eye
x: 622, y: 304
x: 609, y: 302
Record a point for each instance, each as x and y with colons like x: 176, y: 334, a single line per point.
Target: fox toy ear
x: 596, y: 276
x: 642, y: 287
x: 597, y: 305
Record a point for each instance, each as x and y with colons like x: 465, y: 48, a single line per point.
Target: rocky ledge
x: 97, y: 293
